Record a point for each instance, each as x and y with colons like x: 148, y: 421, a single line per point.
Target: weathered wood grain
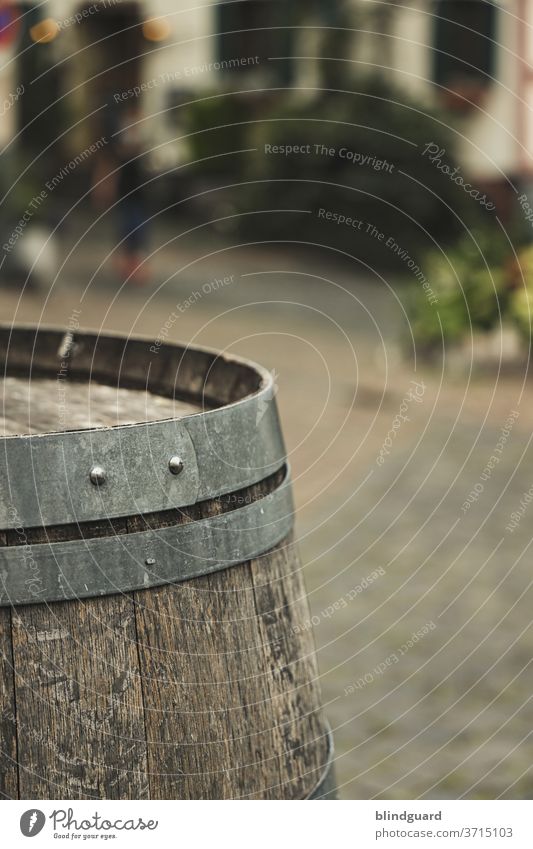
x: 282, y: 608
x: 231, y: 698
x: 8, y: 728
x: 79, y: 704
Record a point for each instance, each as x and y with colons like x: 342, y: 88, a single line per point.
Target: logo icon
x: 32, y: 822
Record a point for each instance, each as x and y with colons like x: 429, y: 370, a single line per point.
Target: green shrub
x: 521, y: 300
x: 412, y: 202
x: 471, y: 285
x: 217, y: 124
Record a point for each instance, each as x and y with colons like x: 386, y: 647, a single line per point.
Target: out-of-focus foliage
x: 392, y: 185
x: 217, y: 125
x: 478, y: 284
x: 521, y: 301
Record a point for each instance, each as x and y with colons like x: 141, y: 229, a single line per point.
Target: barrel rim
x: 266, y: 377
x: 220, y: 450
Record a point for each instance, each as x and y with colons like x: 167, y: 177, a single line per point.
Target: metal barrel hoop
x: 83, y: 476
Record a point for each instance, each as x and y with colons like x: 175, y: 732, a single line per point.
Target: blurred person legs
x: 131, y: 258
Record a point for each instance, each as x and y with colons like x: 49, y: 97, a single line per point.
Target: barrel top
x: 40, y: 405
x: 150, y: 381
x: 97, y: 426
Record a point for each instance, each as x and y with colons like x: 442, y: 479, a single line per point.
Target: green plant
x: 406, y: 197
x: 521, y: 300
x: 217, y: 124
x: 471, y: 287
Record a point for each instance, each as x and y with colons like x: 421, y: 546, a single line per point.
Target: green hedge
x: 478, y: 283
x: 412, y: 202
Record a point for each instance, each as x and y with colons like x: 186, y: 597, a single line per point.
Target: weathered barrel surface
x: 152, y: 609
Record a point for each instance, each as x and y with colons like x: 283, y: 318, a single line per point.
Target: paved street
x: 443, y: 713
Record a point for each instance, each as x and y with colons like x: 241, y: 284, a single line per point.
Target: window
x: 463, y: 50
x: 256, y: 28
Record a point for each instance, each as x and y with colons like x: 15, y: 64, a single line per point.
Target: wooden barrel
x: 153, y: 639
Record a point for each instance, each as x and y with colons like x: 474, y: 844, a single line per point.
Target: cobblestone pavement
x: 422, y: 607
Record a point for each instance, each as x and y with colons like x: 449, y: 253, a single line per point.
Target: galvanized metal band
x: 46, y: 478
x: 32, y: 574
x: 325, y: 789
x: 222, y: 451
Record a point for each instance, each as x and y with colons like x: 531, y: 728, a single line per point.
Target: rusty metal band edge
x: 61, y: 571
x: 325, y: 788
x: 222, y: 450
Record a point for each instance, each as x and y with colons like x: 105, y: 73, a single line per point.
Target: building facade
x: 473, y: 57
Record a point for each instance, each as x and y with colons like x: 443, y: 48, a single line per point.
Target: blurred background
x: 341, y: 190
